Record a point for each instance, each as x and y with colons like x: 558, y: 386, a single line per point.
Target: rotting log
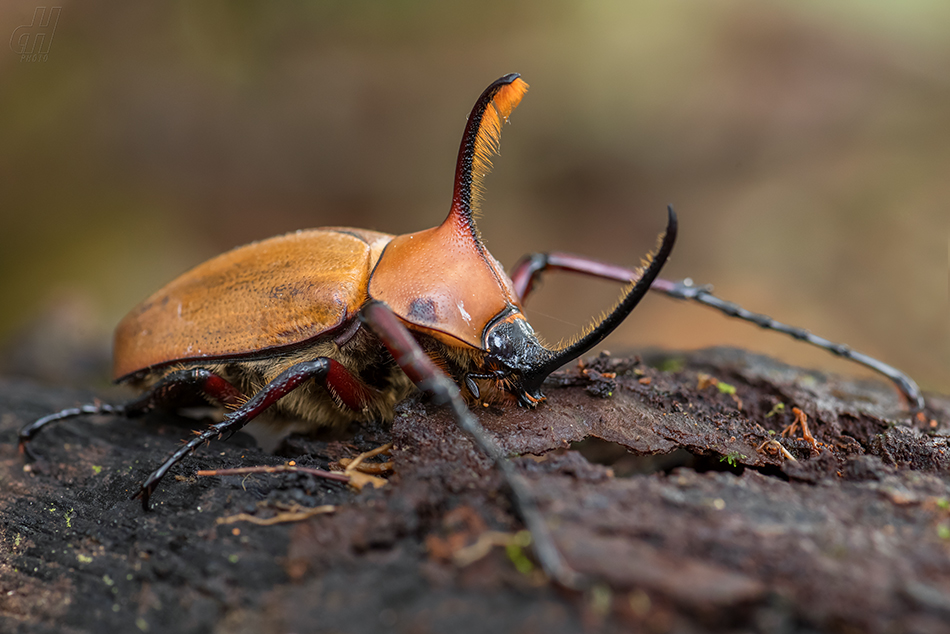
x: 663, y: 478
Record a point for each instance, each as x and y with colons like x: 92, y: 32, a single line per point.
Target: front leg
x: 423, y: 372
x: 527, y: 271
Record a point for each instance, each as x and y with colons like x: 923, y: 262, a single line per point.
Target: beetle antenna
x: 685, y: 289
x: 598, y: 332
x: 526, y: 272
x: 479, y: 142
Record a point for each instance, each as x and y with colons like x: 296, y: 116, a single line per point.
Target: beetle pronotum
x: 369, y: 316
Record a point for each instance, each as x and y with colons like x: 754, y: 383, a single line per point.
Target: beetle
x: 336, y: 325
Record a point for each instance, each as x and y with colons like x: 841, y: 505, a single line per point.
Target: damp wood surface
x: 665, y: 478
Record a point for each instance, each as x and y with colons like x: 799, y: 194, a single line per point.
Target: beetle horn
x: 596, y: 333
x: 479, y: 143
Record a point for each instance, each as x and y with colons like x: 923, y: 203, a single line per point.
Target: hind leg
x: 173, y: 389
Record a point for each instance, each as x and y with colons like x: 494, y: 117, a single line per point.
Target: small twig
x: 800, y: 419
x: 371, y: 468
x: 483, y: 545
x: 358, y: 477
x: 355, y: 463
x: 320, y: 473
x: 300, y: 513
x: 774, y: 444
x: 352, y: 476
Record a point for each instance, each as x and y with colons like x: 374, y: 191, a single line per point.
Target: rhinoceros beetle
x: 370, y: 317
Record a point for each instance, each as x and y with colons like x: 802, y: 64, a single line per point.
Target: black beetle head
x: 519, y: 362
x: 512, y: 352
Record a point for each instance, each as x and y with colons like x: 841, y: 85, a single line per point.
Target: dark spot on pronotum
x: 423, y: 310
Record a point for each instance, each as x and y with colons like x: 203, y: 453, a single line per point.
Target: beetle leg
x: 173, y: 388
x: 329, y: 373
x: 27, y: 432
x: 423, y: 372
x: 179, y: 386
x: 529, y: 268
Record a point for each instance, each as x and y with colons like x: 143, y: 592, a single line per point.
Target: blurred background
x: 804, y: 144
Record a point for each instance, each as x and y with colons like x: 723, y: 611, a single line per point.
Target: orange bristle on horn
x: 479, y: 143
x: 489, y: 133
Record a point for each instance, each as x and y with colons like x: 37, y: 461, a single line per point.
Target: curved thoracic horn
x: 480, y: 141
x: 456, y: 286
x: 597, y: 332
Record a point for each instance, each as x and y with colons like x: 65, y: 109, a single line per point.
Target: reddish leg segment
x: 530, y: 267
x: 336, y: 378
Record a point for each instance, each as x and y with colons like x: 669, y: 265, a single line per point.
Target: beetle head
x: 513, y: 351
x: 519, y: 362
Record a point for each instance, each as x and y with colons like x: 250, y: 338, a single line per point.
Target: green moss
x: 733, y: 458
x: 779, y: 407
x: 671, y: 364
x: 516, y: 552
x: 726, y: 388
